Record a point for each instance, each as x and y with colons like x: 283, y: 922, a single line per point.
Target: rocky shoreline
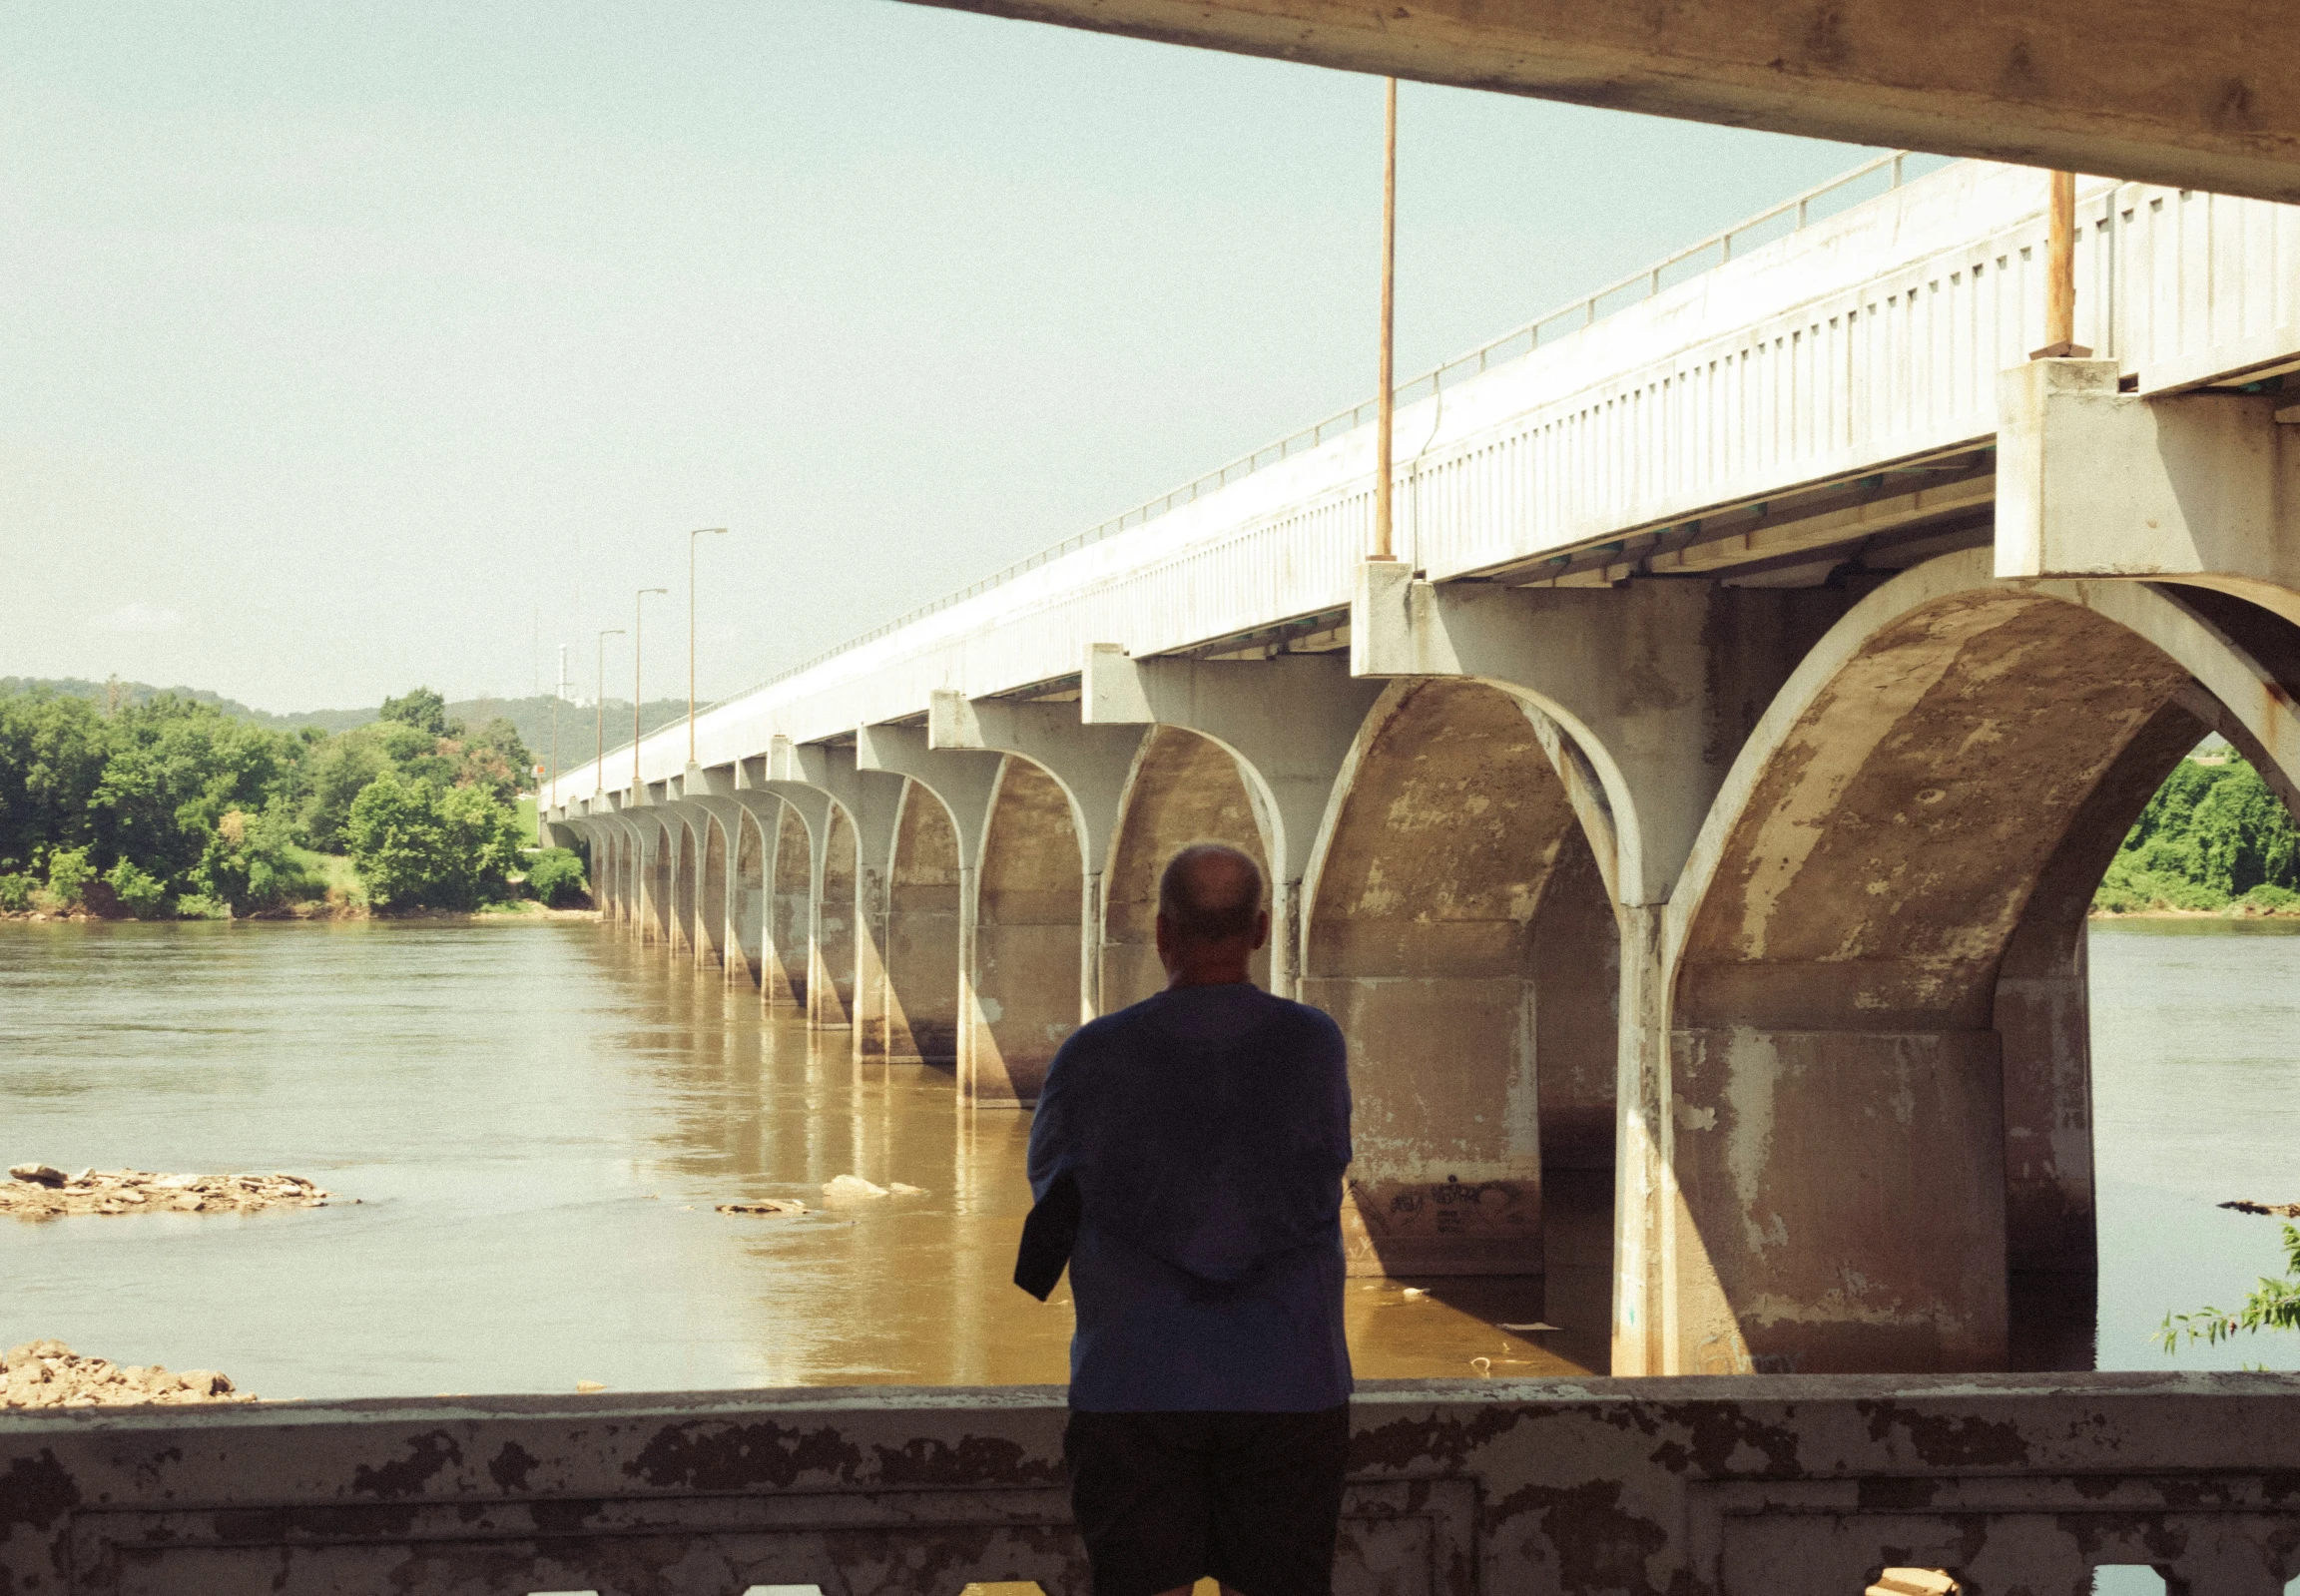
x: 40, y: 1191
x: 50, y: 1374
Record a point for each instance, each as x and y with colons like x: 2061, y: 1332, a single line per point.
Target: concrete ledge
x: 1739, y: 1486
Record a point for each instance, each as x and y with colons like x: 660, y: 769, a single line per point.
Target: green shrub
x: 251, y: 862
x: 415, y: 844
x: 139, y: 893
x: 555, y: 876
x: 200, y: 906
x: 14, y: 892
x: 2267, y: 899
x: 69, y: 873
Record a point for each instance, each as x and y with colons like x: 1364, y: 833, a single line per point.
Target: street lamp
x: 638, y: 622
x: 598, y: 706
x: 691, y: 537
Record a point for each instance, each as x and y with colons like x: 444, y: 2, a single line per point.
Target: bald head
x: 1210, y: 893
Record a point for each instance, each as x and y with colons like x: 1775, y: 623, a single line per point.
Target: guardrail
x: 1883, y: 175
x: 1738, y: 1486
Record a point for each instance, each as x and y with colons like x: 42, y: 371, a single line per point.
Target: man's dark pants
x: 1165, y: 1499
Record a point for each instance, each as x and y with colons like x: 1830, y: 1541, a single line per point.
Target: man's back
x: 1208, y: 1129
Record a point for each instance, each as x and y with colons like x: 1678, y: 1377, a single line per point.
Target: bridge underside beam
x: 2191, y: 97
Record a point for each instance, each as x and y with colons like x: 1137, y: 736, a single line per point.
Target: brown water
x: 538, y: 1120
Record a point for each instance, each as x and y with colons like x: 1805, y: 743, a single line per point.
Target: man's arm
x: 1051, y: 1152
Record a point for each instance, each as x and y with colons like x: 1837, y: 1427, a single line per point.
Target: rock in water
x: 850, y: 1188
x: 40, y: 1191
x: 48, y: 1373
x: 769, y: 1204
x: 901, y: 1190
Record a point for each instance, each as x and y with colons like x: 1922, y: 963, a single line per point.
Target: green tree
x: 52, y: 756
x: 338, y: 768
x: 555, y: 878
x: 250, y: 862
x: 418, y: 844
x: 2211, y: 835
x: 141, y: 894
x: 176, y: 769
x: 421, y: 708
x: 492, y: 756
x: 69, y: 873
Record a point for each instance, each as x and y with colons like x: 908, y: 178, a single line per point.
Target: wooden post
x: 1386, y: 401
x: 2060, y: 273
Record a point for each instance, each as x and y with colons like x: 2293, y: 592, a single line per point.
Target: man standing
x: 1199, y: 1139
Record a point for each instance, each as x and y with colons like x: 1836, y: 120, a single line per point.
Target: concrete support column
x: 926, y: 929
x: 1290, y: 722
x: 657, y: 860
x: 846, y: 981
x: 685, y: 868
x: 1052, y: 823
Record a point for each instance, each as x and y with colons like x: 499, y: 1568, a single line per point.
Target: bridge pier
x: 1037, y: 970
x: 1289, y: 723
x: 795, y: 823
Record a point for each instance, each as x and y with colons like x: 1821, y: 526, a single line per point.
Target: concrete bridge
x: 1692, y: 830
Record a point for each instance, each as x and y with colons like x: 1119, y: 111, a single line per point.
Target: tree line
x: 2214, y: 837
x: 172, y: 807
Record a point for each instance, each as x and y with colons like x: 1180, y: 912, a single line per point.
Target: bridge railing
x: 1763, y: 1487
x: 1882, y: 175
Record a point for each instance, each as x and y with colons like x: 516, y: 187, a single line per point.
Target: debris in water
x: 584, y: 1388
x: 41, y: 1191
x: 769, y: 1204
x: 850, y: 1188
x: 1415, y: 1292
x: 49, y: 1373
x: 2280, y: 1209
x: 901, y: 1190
x: 1533, y: 1328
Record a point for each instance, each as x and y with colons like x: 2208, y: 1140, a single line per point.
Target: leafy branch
x: 2273, y: 1304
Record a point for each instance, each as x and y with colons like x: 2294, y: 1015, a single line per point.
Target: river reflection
x: 541, y: 1119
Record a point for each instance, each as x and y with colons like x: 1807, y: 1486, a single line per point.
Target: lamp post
x: 691, y: 537
x: 1386, y: 401
x: 599, y: 709
x: 638, y: 623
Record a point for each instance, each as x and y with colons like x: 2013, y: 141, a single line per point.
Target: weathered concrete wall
x: 1023, y: 995
x: 918, y: 1019
x: 1420, y: 944
x: 1716, y: 1488
x: 1184, y: 788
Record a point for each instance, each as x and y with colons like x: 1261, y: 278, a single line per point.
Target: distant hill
x: 532, y: 715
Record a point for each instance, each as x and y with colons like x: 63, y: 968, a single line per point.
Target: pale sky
x: 346, y: 347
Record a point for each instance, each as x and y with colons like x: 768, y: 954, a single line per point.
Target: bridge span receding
x: 1699, y: 819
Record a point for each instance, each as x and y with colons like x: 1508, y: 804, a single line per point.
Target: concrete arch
x: 787, y: 974
x: 747, y: 901
x: 1460, y: 932
x: 711, y: 895
x: 658, y: 869
x: 1183, y: 788
x: 918, y: 1021
x: 686, y: 881
x: 1909, y: 828
x: 1025, y: 986
x: 831, y: 977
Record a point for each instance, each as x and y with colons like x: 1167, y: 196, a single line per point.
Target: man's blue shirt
x: 1208, y: 1129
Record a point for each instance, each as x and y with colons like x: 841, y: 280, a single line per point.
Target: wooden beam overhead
x: 2201, y: 94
